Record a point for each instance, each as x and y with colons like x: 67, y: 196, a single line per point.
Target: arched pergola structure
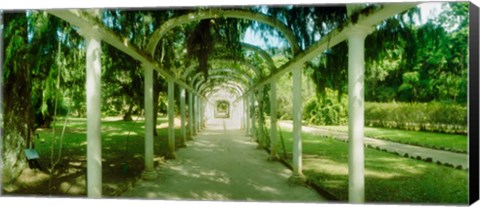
x: 216, y: 13
x: 355, y: 30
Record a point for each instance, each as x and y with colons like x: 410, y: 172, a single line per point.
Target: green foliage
x: 419, y: 63
x: 326, y: 111
x: 434, y: 116
x: 389, y: 178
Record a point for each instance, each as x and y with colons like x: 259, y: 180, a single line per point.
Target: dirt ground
x: 69, y: 179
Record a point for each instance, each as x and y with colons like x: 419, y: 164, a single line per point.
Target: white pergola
x: 246, y: 84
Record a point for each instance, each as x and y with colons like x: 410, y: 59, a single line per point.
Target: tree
x: 18, y: 112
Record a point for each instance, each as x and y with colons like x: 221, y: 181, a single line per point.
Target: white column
x: 273, y: 121
x: 247, y: 112
x: 356, y: 71
x: 94, y: 139
x: 242, y: 115
x: 202, y: 113
x: 197, y: 115
x: 171, y: 121
x: 149, y: 172
x: 297, y: 123
x: 194, y: 117
x: 261, y: 137
x: 190, y: 115
x: 182, y: 112
x: 252, y: 115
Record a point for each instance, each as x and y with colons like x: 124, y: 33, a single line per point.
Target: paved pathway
x: 222, y: 164
x: 436, y: 155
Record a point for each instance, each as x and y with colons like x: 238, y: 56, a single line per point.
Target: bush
x: 433, y: 116
x: 326, y: 111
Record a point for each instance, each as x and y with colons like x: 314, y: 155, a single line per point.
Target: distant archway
x: 222, y: 109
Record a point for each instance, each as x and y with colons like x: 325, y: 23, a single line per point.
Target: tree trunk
x: 17, y: 114
x: 128, y: 115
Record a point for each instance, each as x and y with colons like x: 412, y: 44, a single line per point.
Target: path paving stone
x: 223, y: 164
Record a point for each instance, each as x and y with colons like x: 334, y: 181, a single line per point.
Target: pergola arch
x: 262, y: 53
x: 218, y: 13
x: 355, y: 29
x: 236, y: 87
x: 209, y: 91
x: 226, y: 61
x: 194, y: 79
x: 220, y: 77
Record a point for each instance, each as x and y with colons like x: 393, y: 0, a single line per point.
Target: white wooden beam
x: 94, y: 104
x: 149, y: 173
x: 336, y: 36
x: 273, y: 121
x: 297, y: 123
x: 356, y: 87
x: 182, y: 113
x: 171, y: 120
x: 82, y: 20
x: 219, y: 13
x: 190, y: 115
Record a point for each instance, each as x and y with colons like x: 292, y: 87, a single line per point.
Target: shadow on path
x: 222, y: 164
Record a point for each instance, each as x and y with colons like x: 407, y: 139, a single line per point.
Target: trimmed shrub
x: 433, y: 116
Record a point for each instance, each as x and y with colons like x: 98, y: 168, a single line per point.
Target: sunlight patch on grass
x: 388, y: 177
x: 443, y: 141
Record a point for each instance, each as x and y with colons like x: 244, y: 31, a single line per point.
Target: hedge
x: 433, y: 116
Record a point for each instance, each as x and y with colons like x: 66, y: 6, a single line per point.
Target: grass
x: 443, y: 141
x: 122, y: 155
x: 119, y: 138
x: 388, y: 177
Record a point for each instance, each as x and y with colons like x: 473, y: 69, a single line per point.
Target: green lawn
x: 451, y: 142
x: 388, y: 178
x: 122, y: 154
x: 119, y: 138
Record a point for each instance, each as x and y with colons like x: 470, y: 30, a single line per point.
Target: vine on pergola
x: 201, y: 41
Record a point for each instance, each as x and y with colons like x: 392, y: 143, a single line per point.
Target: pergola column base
x: 171, y: 156
x: 298, y: 179
x: 149, y: 175
x: 260, y: 145
x: 273, y: 157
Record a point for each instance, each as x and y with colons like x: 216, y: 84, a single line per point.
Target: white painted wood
x: 273, y: 120
x: 149, y: 172
x: 190, y: 115
x: 216, y: 13
x: 85, y: 21
x: 297, y: 121
x: 94, y: 104
x: 183, y: 117
x: 247, y: 112
x: 333, y: 38
x: 197, y: 115
x: 356, y: 74
x: 171, y: 119
x: 252, y: 116
x: 261, y: 137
